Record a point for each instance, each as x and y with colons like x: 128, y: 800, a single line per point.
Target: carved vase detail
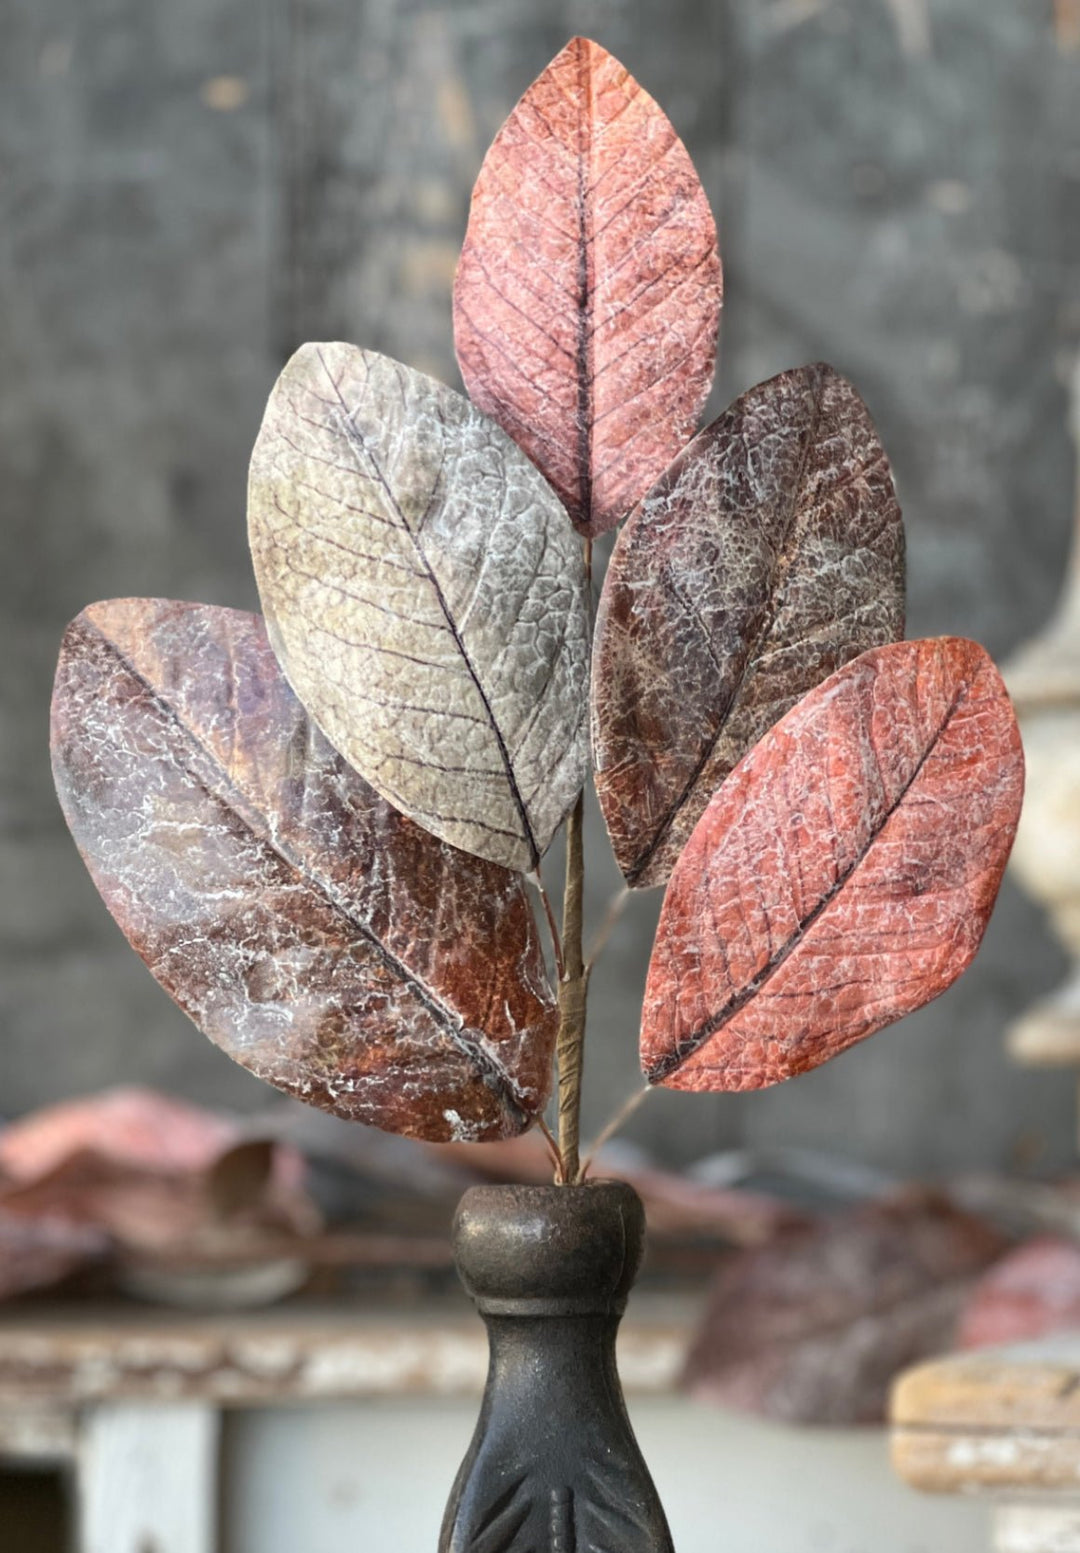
x: 553, y: 1466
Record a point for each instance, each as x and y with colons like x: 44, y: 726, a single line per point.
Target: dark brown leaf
x: 322, y: 940
x: 770, y: 553
x: 812, y: 1328
x: 843, y: 874
x: 587, y: 298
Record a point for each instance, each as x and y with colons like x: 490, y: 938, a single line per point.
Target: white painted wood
x: 1037, y: 1528
x: 36, y: 1433
x: 373, y: 1477
x: 147, y: 1478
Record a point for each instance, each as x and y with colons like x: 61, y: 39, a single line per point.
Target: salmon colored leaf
x: 587, y: 298
x: 323, y: 941
x: 768, y: 555
x: 425, y: 594
x: 842, y: 876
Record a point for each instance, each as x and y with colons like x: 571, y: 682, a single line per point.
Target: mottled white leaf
x: 426, y: 597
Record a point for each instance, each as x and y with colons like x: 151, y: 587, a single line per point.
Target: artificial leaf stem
x: 552, y: 1145
x: 615, y: 908
x: 608, y: 1131
x: 553, y: 926
x: 573, y: 988
x: 573, y: 971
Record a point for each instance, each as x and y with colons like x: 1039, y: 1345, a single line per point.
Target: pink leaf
x: 844, y: 873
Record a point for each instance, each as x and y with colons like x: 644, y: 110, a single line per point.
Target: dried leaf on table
x: 587, y: 298
x: 150, y: 1172
x: 844, y: 873
x: 812, y: 1327
x: 769, y: 554
x: 425, y: 594
x: 135, y: 1127
x: 1030, y: 1293
x: 136, y: 1206
x: 325, y: 942
x: 40, y: 1252
x: 241, y: 1178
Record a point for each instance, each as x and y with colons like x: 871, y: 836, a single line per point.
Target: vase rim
x: 570, y: 1247
x: 548, y: 1188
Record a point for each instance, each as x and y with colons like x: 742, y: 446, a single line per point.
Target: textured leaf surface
x: 587, y: 298
x: 425, y: 594
x: 769, y: 554
x: 843, y: 874
x: 319, y: 938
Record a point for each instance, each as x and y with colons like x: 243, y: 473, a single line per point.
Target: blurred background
x: 190, y: 190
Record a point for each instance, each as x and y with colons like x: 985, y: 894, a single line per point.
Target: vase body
x: 553, y: 1466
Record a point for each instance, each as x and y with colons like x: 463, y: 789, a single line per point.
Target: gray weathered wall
x: 898, y: 188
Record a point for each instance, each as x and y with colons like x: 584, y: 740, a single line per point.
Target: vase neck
x: 554, y: 1309
x: 587, y: 1340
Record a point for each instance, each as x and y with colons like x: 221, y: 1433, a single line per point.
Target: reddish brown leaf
x: 322, y: 940
x: 588, y: 293
x: 150, y: 1170
x: 843, y: 874
x: 770, y: 553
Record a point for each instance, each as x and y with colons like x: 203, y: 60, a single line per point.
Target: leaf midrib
x: 583, y: 343
x: 759, y: 633
x: 354, y: 440
x: 691, y: 1044
x: 221, y: 788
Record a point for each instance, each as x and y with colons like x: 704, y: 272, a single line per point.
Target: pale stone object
x: 1044, y: 682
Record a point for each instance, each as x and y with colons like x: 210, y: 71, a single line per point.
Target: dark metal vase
x: 553, y: 1466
